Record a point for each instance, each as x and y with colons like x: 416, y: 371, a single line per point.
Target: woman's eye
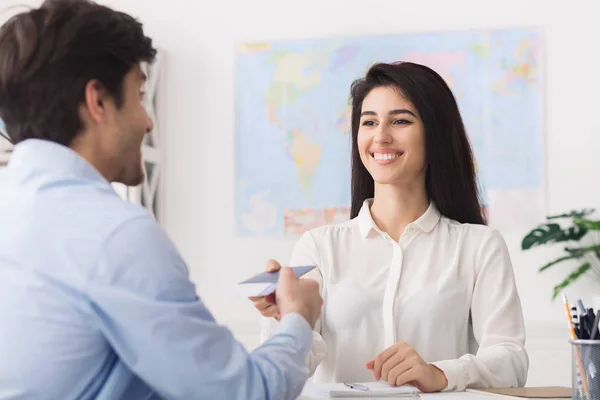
x: 368, y: 123
x: 401, y: 121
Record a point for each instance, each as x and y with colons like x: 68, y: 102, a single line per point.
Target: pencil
x: 569, y: 319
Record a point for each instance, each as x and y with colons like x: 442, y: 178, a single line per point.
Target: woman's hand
x: 400, y: 364
x: 267, y: 305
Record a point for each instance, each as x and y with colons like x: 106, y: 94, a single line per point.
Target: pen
x: 584, y: 327
x: 594, y: 335
x: 357, y: 386
x: 590, y: 317
x: 584, y: 323
x: 582, y: 309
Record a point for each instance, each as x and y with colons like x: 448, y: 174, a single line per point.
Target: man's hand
x: 300, y: 296
x: 267, y: 305
x: 293, y: 295
x: 400, y: 364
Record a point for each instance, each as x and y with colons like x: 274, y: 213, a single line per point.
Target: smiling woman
x: 410, y: 105
x: 416, y: 259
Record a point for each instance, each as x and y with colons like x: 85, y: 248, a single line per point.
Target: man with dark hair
x: 95, y: 301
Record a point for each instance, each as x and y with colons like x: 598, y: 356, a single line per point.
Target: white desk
x: 424, y: 396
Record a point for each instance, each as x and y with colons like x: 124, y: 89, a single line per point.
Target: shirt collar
x: 425, y: 222
x: 51, y: 156
x: 429, y: 219
x: 365, y: 220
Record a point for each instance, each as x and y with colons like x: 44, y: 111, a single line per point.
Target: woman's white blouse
x: 446, y: 289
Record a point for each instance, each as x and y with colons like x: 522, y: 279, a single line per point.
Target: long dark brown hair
x: 450, y: 180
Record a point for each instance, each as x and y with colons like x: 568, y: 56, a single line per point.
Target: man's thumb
x: 286, y: 279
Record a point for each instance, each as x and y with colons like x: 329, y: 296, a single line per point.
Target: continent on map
x: 295, y: 74
x: 306, y: 155
x: 522, y: 69
x: 480, y: 49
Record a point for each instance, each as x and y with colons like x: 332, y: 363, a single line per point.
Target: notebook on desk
x: 366, y: 389
x: 546, y: 393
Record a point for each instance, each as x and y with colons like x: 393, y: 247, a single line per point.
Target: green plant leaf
x: 573, y: 214
x: 551, y: 232
x: 572, y: 277
x: 558, y: 260
x: 577, y: 251
x: 574, y: 253
x: 592, y: 225
x: 580, y: 251
x: 574, y: 233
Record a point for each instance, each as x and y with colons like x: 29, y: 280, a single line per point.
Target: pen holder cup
x: 585, y: 376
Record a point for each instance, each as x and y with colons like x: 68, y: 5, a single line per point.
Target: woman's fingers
x: 273, y: 265
x: 265, y: 307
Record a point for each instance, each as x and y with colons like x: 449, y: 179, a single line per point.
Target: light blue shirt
x: 96, y: 303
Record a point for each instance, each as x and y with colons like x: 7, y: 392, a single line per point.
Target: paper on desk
x: 376, y: 389
x: 265, y: 283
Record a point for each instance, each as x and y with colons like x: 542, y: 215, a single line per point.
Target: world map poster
x: 293, y: 122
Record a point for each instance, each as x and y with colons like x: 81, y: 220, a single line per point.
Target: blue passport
x: 269, y: 279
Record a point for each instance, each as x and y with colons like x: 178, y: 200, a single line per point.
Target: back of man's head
x: 49, y: 54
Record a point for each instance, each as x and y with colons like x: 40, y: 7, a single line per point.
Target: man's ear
x: 95, y: 100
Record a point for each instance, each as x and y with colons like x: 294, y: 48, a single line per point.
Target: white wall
x: 198, y: 130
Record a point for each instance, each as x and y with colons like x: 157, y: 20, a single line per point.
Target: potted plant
x: 582, y: 236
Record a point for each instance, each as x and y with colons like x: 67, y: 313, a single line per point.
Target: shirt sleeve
x: 147, y: 309
x: 498, y: 326
x: 305, y: 253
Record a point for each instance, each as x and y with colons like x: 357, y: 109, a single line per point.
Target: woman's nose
x: 383, y: 135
